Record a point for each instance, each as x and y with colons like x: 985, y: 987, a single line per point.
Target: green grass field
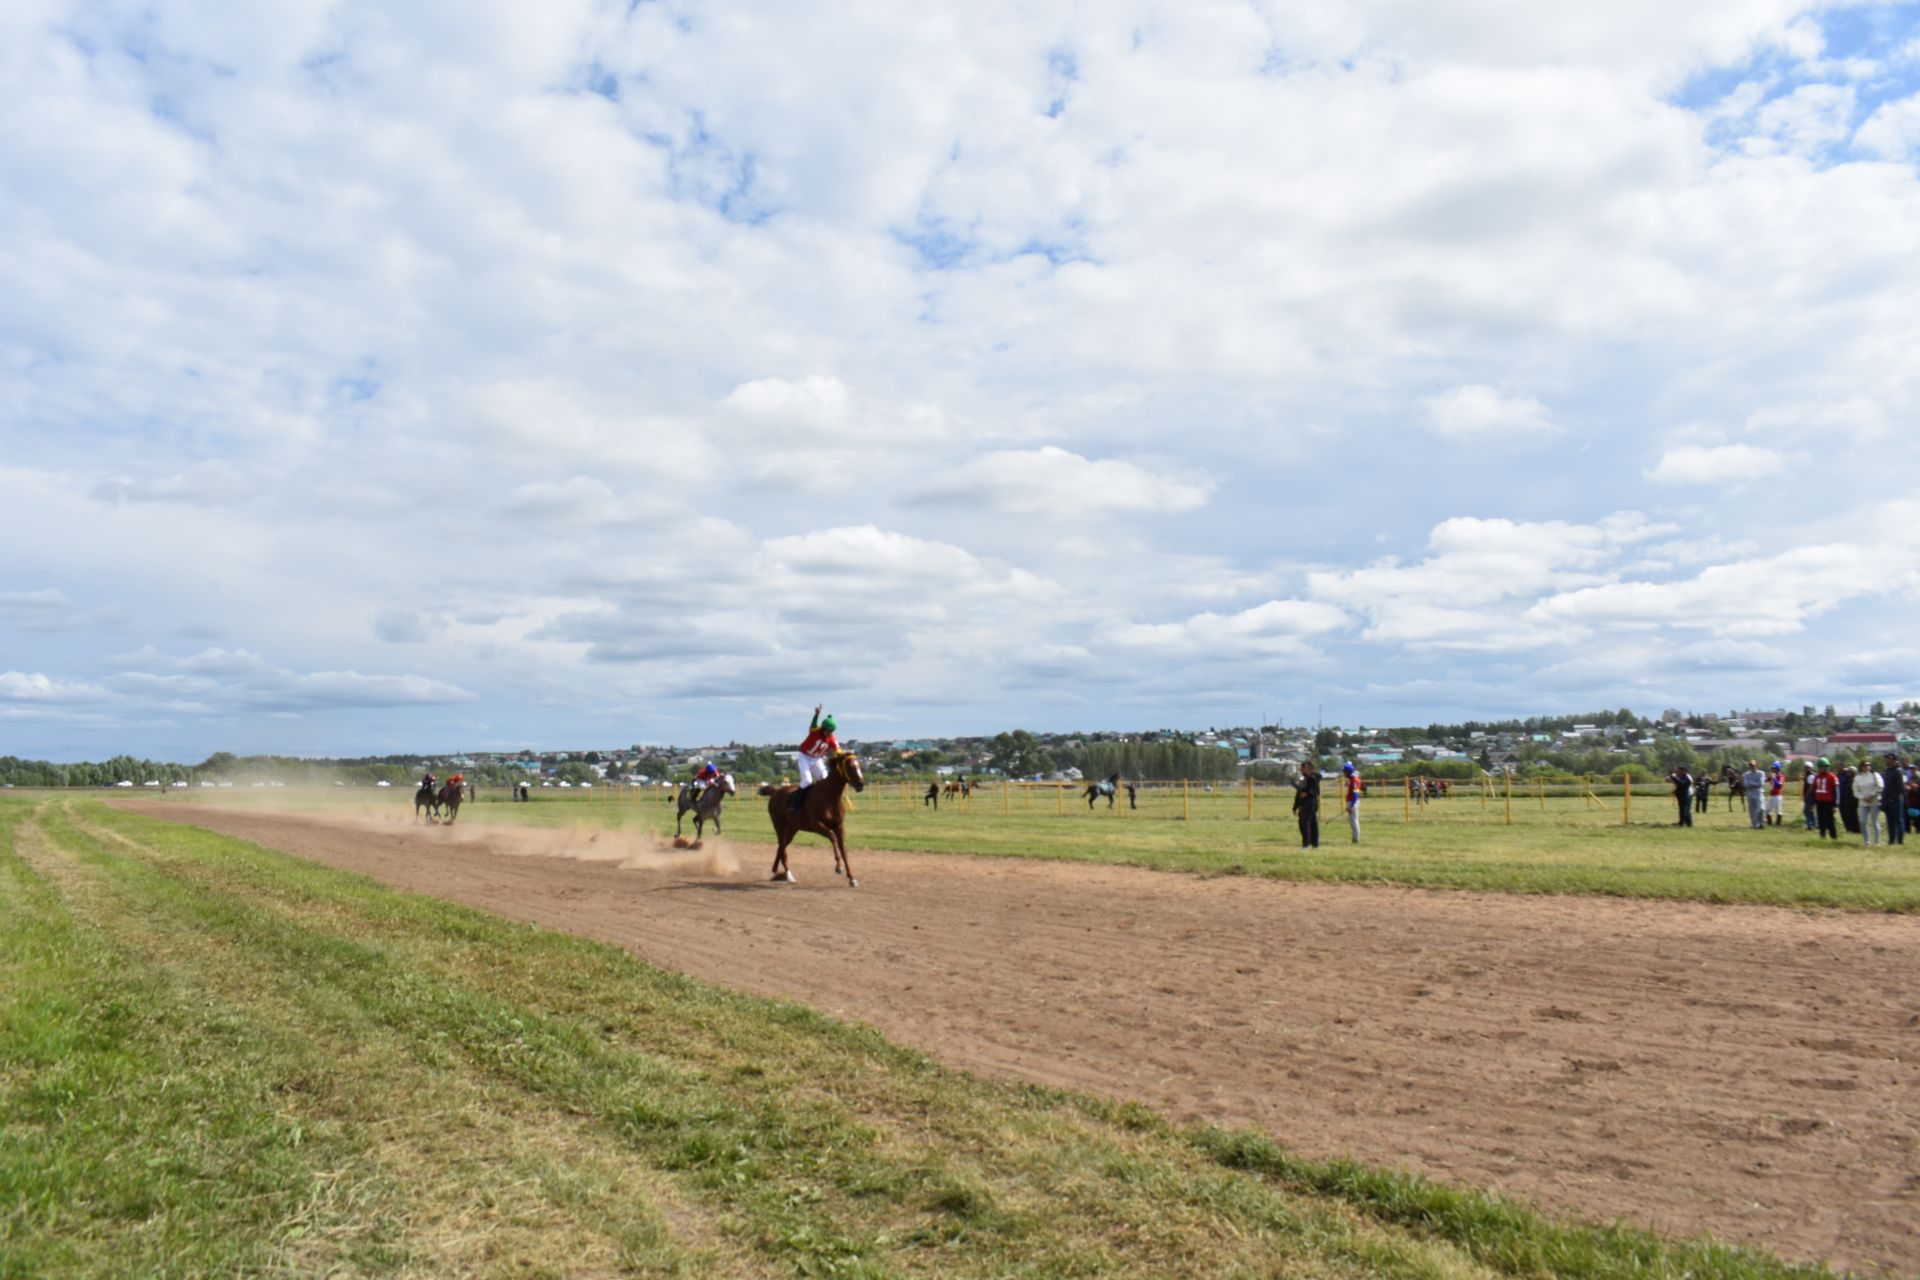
x: 217, y: 1059
x: 1555, y: 844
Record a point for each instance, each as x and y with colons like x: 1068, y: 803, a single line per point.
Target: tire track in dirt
x: 1746, y: 1071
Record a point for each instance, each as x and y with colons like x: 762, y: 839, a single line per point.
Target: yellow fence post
x: 1060, y: 798
x: 1543, y: 794
x: 1249, y: 796
x: 1006, y: 798
x: 1406, y: 800
x: 1186, y: 802
x: 1509, y: 797
x: 1626, y: 799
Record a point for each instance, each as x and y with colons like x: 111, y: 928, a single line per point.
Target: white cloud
x: 35, y: 687
x: 1482, y: 410
x: 1728, y: 464
x: 1278, y: 626
x: 1051, y: 481
x: 1765, y: 596
x: 1892, y: 132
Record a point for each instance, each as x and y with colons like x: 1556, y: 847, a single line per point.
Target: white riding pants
x: 812, y: 769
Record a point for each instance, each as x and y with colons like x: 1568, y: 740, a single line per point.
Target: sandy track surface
x: 1745, y: 1071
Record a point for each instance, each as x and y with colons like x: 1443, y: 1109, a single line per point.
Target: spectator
x: 1806, y: 795
x: 1777, y: 795
x: 1823, y: 789
x: 1866, y: 793
x: 1755, y: 783
x: 1893, y: 799
x: 1702, y: 790
x: 1849, y: 803
x: 1306, y: 804
x: 1354, y: 787
x: 1683, y: 793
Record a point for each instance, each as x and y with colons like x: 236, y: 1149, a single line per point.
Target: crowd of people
x: 1862, y: 799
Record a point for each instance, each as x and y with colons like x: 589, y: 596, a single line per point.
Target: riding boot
x: 794, y: 800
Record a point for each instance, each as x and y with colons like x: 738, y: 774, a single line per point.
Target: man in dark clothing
x: 1683, y: 793
x: 1849, y: 803
x: 1306, y: 804
x: 1893, y: 799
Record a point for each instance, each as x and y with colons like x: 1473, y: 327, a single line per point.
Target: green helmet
x: 826, y: 722
x: 1824, y: 762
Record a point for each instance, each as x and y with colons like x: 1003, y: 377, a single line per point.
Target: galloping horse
x: 704, y: 803
x: 1107, y: 788
x: 450, y: 797
x: 426, y: 798
x: 821, y: 813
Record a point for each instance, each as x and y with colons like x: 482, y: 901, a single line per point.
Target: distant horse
x: 704, y: 803
x: 1736, y: 787
x: 428, y: 799
x: 821, y: 812
x: 450, y: 797
x: 1107, y: 789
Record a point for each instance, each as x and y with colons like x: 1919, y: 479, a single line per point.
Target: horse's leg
x: 840, y: 855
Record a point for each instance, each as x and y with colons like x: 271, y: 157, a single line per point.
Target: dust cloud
x: 581, y: 842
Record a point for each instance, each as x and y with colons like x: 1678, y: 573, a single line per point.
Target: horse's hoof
x: 789, y: 877
x: 852, y: 883
x: 837, y: 871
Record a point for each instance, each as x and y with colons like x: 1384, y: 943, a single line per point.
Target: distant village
x: 1604, y: 743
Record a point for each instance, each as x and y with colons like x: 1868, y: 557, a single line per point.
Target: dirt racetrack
x: 1745, y: 1071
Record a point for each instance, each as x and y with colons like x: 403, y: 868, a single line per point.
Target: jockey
x: 426, y: 781
x: 815, y: 750
x: 707, y: 776
x: 456, y: 782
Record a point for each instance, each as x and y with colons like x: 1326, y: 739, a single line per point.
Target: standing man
x: 1306, y: 804
x: 1352, y: 787
x: 1866, y: 791
x: 1755, y: 783
x: 1683, y: 793
x: 1893, y: 799
x: 1824, y: 788
x: 1849, y: 802
x: 1777, y: 795
x: 1806, y: 795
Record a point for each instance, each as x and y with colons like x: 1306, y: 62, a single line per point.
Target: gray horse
x: 704, y: 803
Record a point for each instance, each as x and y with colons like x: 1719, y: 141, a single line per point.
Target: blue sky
x: 381, y: 378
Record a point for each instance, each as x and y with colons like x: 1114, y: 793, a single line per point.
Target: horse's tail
x: 766, y: 788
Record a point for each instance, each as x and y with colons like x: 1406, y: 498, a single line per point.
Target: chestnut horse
x: 450, y: 797
x: 821, y: 813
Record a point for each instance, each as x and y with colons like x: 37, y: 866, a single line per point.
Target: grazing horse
x: 821, y: 812
x: 450, y: 797
x: 1107, y: 789
x: 704, y: 803
x: 426, y: 798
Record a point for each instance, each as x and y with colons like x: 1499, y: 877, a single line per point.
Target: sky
x: 480, y: 376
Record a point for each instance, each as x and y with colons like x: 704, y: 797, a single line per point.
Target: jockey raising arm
x: 818, y: 745
x: 707, y: 776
